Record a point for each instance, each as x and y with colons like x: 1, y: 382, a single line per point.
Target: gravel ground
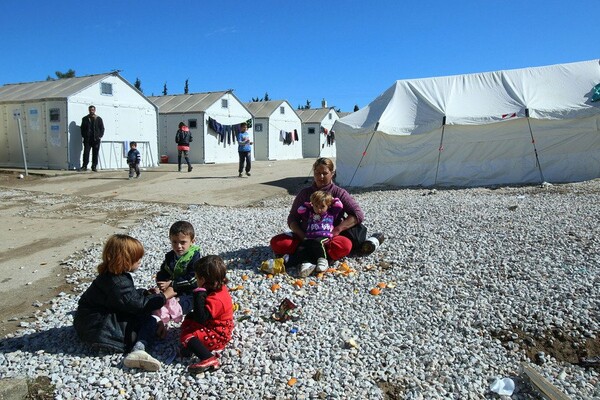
x: 474, y: 282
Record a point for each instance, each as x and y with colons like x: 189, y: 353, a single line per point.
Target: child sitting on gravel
x: 177, y: 272
x: 112, y: 314
x: 320, y: 213
x: 209, y: 326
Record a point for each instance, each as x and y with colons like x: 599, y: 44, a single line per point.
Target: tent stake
x: 537, y: 159
x: 440, y: 151
x: 364, y: 153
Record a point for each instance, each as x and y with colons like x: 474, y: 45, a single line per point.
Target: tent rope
x: 364, y: 153
x: 440, y: 149
x: 537, y: 159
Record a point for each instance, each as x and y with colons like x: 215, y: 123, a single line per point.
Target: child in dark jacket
x: 183, y: 137
x: 133, y: 160
x: 209, y: 326
x: 112, y: 314
x: 177, y: 272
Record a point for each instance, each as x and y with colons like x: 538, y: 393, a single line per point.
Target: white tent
x: 507, y: 127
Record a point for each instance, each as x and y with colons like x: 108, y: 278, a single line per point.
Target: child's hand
x: 163, y: 285
x: 169, y: 292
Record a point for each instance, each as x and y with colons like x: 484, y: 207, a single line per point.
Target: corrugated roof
x: 263, y: 109
x: 45, y: 90
x: 316, y: 115
x: 185, y: 103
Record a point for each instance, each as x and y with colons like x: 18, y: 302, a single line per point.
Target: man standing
x: 92, y: 130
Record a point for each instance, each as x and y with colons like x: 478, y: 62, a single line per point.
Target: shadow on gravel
x: 249, y: 258
x: 61, y: 340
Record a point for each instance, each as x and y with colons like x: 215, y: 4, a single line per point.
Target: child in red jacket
x: 209, y: 325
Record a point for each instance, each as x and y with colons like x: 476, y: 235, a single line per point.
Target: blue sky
x: 347, y: 52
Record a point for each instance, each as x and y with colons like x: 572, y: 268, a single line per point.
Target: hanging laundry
x: 296, y: 138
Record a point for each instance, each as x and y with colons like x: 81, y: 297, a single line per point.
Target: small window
x: 193, y: 124
x: 258, y: 128
x: 330, y: 116
x: 106, y: 88
x: 54, y: 115
x: 282, y: 110
x: 224, y: 103
x: 311, y: 131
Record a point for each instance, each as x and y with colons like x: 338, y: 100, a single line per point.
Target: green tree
x: 356, y: 108
x: 186, y: 88
x: 165, y: 89
x: 266, y: 96
x: 138, y: 85
x: 62, y: 75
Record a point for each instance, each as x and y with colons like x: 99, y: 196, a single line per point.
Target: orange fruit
x: 275, y: 287
x: 381, y: 285
x: 312, y: 283
x: 244, y: 277
x: 299, y: 283
x: 375, y: 291
x: 292, y: 381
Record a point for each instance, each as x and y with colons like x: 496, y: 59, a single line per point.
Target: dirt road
x: 50, y: 215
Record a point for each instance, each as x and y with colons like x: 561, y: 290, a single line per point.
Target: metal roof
x: 47, y: 90
x: 185, y: 103
x: 263, y: 109
x: 316, y: 115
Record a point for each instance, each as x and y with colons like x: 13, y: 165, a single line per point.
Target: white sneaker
x: 141, y: 359
x: 306, y: 269
x: 322, y: 264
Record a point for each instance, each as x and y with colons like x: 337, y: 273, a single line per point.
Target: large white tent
x: 529, y: 125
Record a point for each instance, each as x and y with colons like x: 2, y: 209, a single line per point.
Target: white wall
x: 288, y: 122
x: 235, y: 113
x: 315, y: 145
x: 127, y: 116
x: 169, y: 124
x: 45, y: 141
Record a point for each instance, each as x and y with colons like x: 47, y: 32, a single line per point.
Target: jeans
x: 244, y: 158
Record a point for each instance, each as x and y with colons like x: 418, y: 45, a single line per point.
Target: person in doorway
x: 244, y: 149
x: 348, y: 234
x: 183, y: 138
x: 92, y: 131
x: 133, y: 160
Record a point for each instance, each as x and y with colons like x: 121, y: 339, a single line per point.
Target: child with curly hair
x: 112, y: 314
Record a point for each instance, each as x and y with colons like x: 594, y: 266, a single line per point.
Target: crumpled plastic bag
x: 503, y: 386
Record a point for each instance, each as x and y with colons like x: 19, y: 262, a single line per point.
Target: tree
x: 138, y: 85
x: 306, y: 107
x: 186, y: 88
x: 356, y: 108
x: 62, y: 75
x: 266, y: 96
x: 165, y: 89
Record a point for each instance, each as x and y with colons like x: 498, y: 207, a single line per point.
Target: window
x: 193, y: 124
x: 258, y: 128
x: 281, y: 110
x: 311, y: 131
x: 330, y: 116
x: 224, y: 103
x: 106, y: 88
x: 54, y: 115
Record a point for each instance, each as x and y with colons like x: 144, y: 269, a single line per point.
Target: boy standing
x: 244, y: 149
x: 177, y: 271
x: 133, y: 160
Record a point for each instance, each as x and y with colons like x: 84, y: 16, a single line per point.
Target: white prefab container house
x: 318, y: 139
x: 277, y: 130
x: 196, y: 111
x: 50, y: 115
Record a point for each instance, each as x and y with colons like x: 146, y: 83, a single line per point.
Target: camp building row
x: 41, y: 121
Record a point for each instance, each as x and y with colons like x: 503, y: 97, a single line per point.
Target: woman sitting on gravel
x: 348, y: 233
x: 112, y: 315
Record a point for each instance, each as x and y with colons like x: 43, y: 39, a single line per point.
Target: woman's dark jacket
x: 108, y: 305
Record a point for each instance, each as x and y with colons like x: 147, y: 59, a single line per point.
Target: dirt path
x: 50, y: 215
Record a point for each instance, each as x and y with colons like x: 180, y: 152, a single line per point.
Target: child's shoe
x: 141, y: 359
x: 306, y: 269
x: 210, y: 363
x: 322, y: 264
x: 190, y: 168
